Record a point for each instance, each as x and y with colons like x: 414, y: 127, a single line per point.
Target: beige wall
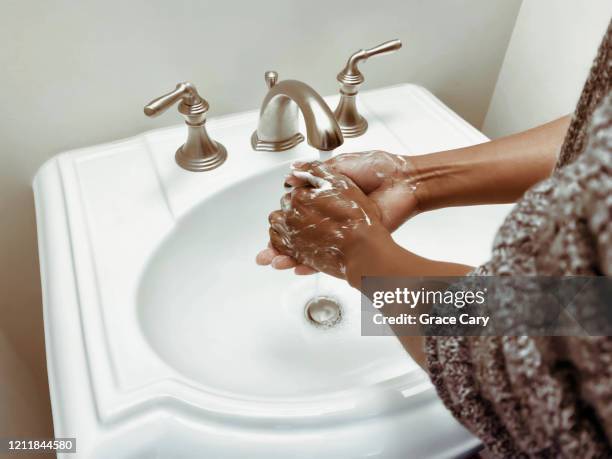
x: 78, y: 73
x: 548, y: 58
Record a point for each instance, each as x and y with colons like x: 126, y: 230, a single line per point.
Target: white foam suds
x: 318, y: 182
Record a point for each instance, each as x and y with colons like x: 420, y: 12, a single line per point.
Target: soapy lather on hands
x: 334, y: 205
x: 399, y: 187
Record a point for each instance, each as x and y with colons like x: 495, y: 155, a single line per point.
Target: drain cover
x: 323, y: 311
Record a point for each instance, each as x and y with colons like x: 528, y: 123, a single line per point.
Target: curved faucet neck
x: 278, y: 119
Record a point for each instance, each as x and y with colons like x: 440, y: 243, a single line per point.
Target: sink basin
x: 233, y: 326
x: 164, y: 339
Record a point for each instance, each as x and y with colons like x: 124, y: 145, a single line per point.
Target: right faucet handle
x: 351, y: 122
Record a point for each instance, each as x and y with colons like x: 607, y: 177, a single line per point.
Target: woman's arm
x: 493, y: 172
x: 499, y: 171
x: 381, y: 256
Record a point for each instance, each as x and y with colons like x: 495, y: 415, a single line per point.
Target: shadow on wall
x: 25, y: 407
x: 24, y: 396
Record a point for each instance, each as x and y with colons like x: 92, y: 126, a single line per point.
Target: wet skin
x: 494, y: 172
x: 388, y: 181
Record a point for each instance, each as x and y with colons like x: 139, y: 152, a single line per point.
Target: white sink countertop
x: 163, y: 337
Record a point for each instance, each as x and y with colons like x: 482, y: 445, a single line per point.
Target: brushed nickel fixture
x: 200, y: 152
x: 351, y: 122
x: 277, y: 129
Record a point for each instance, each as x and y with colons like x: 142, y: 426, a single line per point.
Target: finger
x: 346, y: 162
x: 310, y: 206
x: 283, y: 262
x: 291, y: 181
x: 314, y: 180
x: 303, y: 270
x: 285, y: 202
x: 276, y: 218
x: 368, y: 169
x: 361, y: 168
x: 319, y: 175
x: 266, y: 256
x: 304, y: 215
x: 315, y: 173
x: 278, y: 242
x: 300, y: 196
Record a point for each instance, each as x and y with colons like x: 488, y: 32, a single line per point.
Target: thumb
x: 359, y: 167
x: 318, y: 175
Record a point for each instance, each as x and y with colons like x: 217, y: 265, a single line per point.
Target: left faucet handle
x: 200, y: 152
x: 185, y: 92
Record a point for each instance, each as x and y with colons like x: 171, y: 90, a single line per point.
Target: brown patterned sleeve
x: 546, y: 396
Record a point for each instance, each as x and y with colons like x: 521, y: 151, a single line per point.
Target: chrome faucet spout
x: 278, y: 128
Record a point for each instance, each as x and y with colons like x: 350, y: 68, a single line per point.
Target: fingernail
x: 276, y: 261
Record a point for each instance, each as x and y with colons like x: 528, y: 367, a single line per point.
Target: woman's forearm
x: 381, y: 257
x: 494, y: 172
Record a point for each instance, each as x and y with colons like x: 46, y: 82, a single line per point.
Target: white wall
x: 78, y: 73
x: 548, y: 59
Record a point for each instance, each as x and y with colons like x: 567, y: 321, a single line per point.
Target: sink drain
x: 323, y: 311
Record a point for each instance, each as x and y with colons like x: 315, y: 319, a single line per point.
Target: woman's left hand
x: 323, y: 225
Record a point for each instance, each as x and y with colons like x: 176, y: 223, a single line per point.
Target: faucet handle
x: 350, y: 74
x: 185, y: 92
x: 384, y: 48
x: 200, y: 152
x: 351, y: 123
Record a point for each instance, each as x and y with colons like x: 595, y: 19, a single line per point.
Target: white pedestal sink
x: 164, y: 339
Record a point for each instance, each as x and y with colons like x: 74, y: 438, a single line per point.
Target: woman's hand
x: 325, y: 220
x: 388, y: 180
